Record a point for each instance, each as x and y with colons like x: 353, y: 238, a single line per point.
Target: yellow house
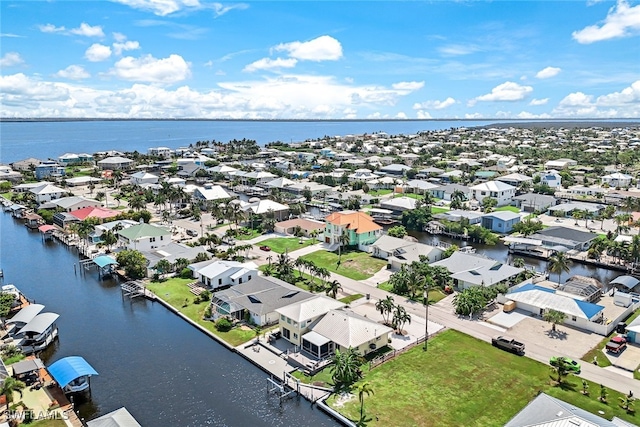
x: 296, y: 318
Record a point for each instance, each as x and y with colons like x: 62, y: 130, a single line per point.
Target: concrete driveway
x: 628, y: 360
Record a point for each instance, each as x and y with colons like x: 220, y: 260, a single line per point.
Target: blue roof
x: 104, y: 260
x: 532, y: 287
x: 589, y: 309
x: 68, y: 369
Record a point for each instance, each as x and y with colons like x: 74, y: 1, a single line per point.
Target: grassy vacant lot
x: 455, y: 382
x: 286, y: 244
x: 381, y: 192
x: 354, y: 265
x: 435, y: 295
x: 175, y: 292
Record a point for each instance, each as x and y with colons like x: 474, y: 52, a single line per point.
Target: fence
x: 392, y: 354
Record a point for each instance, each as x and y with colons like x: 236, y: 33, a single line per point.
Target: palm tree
x: 332, y: 288
x: 363, y: 389
x: 561, y: 367
x: 518, y: 263
x: 400, y: 317
x: 346, y: 369
x: 314, y: 235
x: 558, y: 262
x: 385, y: 307
x: 343, y: 240
x: 10, y: 385
x: 137, y: 202
x: 234, y: 212
x: 554, y: 317
x: 163, y: 266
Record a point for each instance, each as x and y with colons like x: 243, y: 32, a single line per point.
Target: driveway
x: 628, y: 360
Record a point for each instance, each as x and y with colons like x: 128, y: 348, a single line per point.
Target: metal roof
x: 628, y: 282
x: 26, y: 314
x: 103, y: 260
x: 68, y: 369
x: 24, y: 366
x: 315, y: 338
x: 118, y: 418
x: 40, y: 323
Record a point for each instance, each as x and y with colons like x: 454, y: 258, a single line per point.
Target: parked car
x: 572, y: 365
x: 617, y: 344
x: 192, y: 233
x: 265, y: 248
x: 508, y: 344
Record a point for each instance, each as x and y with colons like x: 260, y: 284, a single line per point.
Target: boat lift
x: 281, y: 388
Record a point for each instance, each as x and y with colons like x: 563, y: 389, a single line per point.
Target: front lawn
x: 381, y: 192
x: 247, y: 234
x: 457, y: 379
x: 435, y: 295
x: 354, y: 265
x: 286, y: 244
x: 438, y: 209
x: 507, y: 208
x: 351, y: 298
x: 175, y: 292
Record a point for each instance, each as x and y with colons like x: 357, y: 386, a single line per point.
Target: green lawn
x: 354, y: 265
x: 411, y: 195
x: 438, y: 209
x: 252, y: 234
x: 435, y: 295
x: 351, y: 298
x: 175, y: 292
x: 458, y: 379
x: 300, y: 284
x: 48, y: 423
x: 286, y: 244
x: 381, y: 192
x: 507, y: 208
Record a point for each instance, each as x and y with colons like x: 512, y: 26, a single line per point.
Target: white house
x: 210, y: 193
x: 74, y: 203
x: 560, y: 164
x: 164, y: 152
x: 144, y: 237
x: 617, y: 180
x: 551, y: 178
x: 140, y: 178
x: 500, y: 191
x: 47, y: 192
x: 226, y: 273
x: 469, y: 270
x: 296, y: 319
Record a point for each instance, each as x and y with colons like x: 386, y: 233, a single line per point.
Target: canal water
x: 499, y: 252
x: 163, y: 370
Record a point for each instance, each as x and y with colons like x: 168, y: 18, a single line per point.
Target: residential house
x: 307, y: 226
x: 47, y: 192
x: 551, y: 178
x: 395, y: 169
x: 48, y: 169
x: 360, y: 228
x: 258, y: 299
x: 362, y: 175
x: 516, y: 179
x: 618, y: 180
x: 210, y: 192
x: 469, y: 270
x: 26, y: 164
x: 145, y: 237
x: 221, y: 274
x: 140, y: 178
x: 567, y: 209
x: 171, y: 252
x: 116, y: 163
x: 560, y: 164
x: 457, y: 215
x: 266, y: 206
x: 497, y: 190
x: 69, y: 159
x: 532, y: 202
x: 164, y: 152
x: 501, y: 221
x: 96, y: 212
x: 400, y: 251
x: 296, y: 319
x: 582, y: 191
x: 569, y: 238
x: 445, y: 192
x: 8, y: 174
x: 73, y: 203
x: 419, y: 186
x: 399, y: 204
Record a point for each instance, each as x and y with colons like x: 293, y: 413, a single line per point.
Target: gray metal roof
x: 349, y: 329
x: 26, y: 314
x: 24, y: 366
x: 40, y: 323
x: 628, y: 282
x: 118, y: 418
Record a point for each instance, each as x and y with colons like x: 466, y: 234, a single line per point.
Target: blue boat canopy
x: 69, y: 368
x: 103, y: 260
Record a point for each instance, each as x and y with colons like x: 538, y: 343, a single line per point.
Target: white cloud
x: 507, y: 91
x: 621, y: 21
x: 473, y: 116
x: 323, y: 48
x: 548, y: 72
x: 628, y: 95
x: 73, y: 72
x: 408, y: 86
x: 20, y: 87
x: 543, y: 101
x: 423, y: 115
x: 50, y: 28
x: 269, y: 64
x: 87, y: 30
x: 401, y: 116
x: 436, y: 105
x: 149, y: 69
x: 458, y: 49
x: 11, y: 59
x: 576, y: 99
x: 12, y: 35
x: 167, y: 7
x: 119, y: 47
x: 97, y: 52
x: 119, y: 37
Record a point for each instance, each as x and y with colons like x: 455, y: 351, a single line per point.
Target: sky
x: 320, y: 59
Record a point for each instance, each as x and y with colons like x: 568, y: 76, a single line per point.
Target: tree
x: 109, y: 239
x: 400, y: 317
x: 346, y: 369
x: 418, y: 218
x: 457, y: 199
x: 488, y: 203
x: 385, y: 307
x: 554, y: 317
x: 558, y: 263
x: 6, y: 301
x: 518, y: 263
x: 133, y: 262
x: 363, y: 389
x: 560, y: 366
x: 137, y: 202
x: 626, y: 402
x: 398, y: 231
x: 10, y: 385
x: 332, y: 288
x: 163, y: 266
x: 343, y: 240
x: 603, y: 393
x: 314, y: 235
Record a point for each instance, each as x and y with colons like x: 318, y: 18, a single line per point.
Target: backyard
x: 458, y: 379
x: 175, y: 292
x: 354, y: 265
x: 286, y: 244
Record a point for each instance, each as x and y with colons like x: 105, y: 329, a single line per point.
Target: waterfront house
x: 99, y: 213
x: 164, y: 152
x: 266, y: 206
x: 220, y: 274
x: 620, y: 180
x: 360, y: 227
x: 116, y: 163
x: 258, y: 299
x: 118, y: 418
x: 48, y: 169
x: 142, y: 177
x: 296, y: 319
x: 533, y: 202
x: 307, y: 226
x: 73, y: 203
x: 171, y: 253
x: 96, y: 235
x: 144, y: 237
x: 399, y: 204
x: 64, y: 219
x: 469, y: 270
x: 69, y: 159
x: 445, y: 192
x: 47, y: 193
x: 501, y: 192
x: 565, y: 237
x: 501, y: 221
x: 341, y: 330
x: 25, y: 164
x: 8, y: 174
x: 211, y: 193
x: 457, y: 215
x: 400, y: 251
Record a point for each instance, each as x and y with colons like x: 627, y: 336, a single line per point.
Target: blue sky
x: 320, y: 59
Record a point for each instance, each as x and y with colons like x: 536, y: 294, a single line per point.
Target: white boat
x: 77, y: 385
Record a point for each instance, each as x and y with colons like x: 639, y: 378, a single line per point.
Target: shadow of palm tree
x: 556, y: 335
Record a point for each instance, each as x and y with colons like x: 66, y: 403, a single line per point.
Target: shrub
x: 223, y: 324
x: 186, y: 274
x: 205, y: 295
x: 207, y: 312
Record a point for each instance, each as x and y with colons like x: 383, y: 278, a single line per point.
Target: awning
x: 104, y: 260
x: 25, y: 366
x: 628, y: 282
x: 523, y: 241
x: 40, y: 323
x: 315, y: 338
x: 68, y: 369
x: 46, y: 228
x: 27, y: 314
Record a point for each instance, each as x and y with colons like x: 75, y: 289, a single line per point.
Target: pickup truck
x: 616, y: 344
x: 508, y: 344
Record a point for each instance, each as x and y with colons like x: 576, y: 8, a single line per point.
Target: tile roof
x: 359, y: 222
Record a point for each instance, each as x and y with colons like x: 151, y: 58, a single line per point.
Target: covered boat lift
x: 72, y: 373
x: 39, y: 332
x: 118, y: 418
x: 47, y: 231
x: 25, y: 315
x: 105, y: 264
